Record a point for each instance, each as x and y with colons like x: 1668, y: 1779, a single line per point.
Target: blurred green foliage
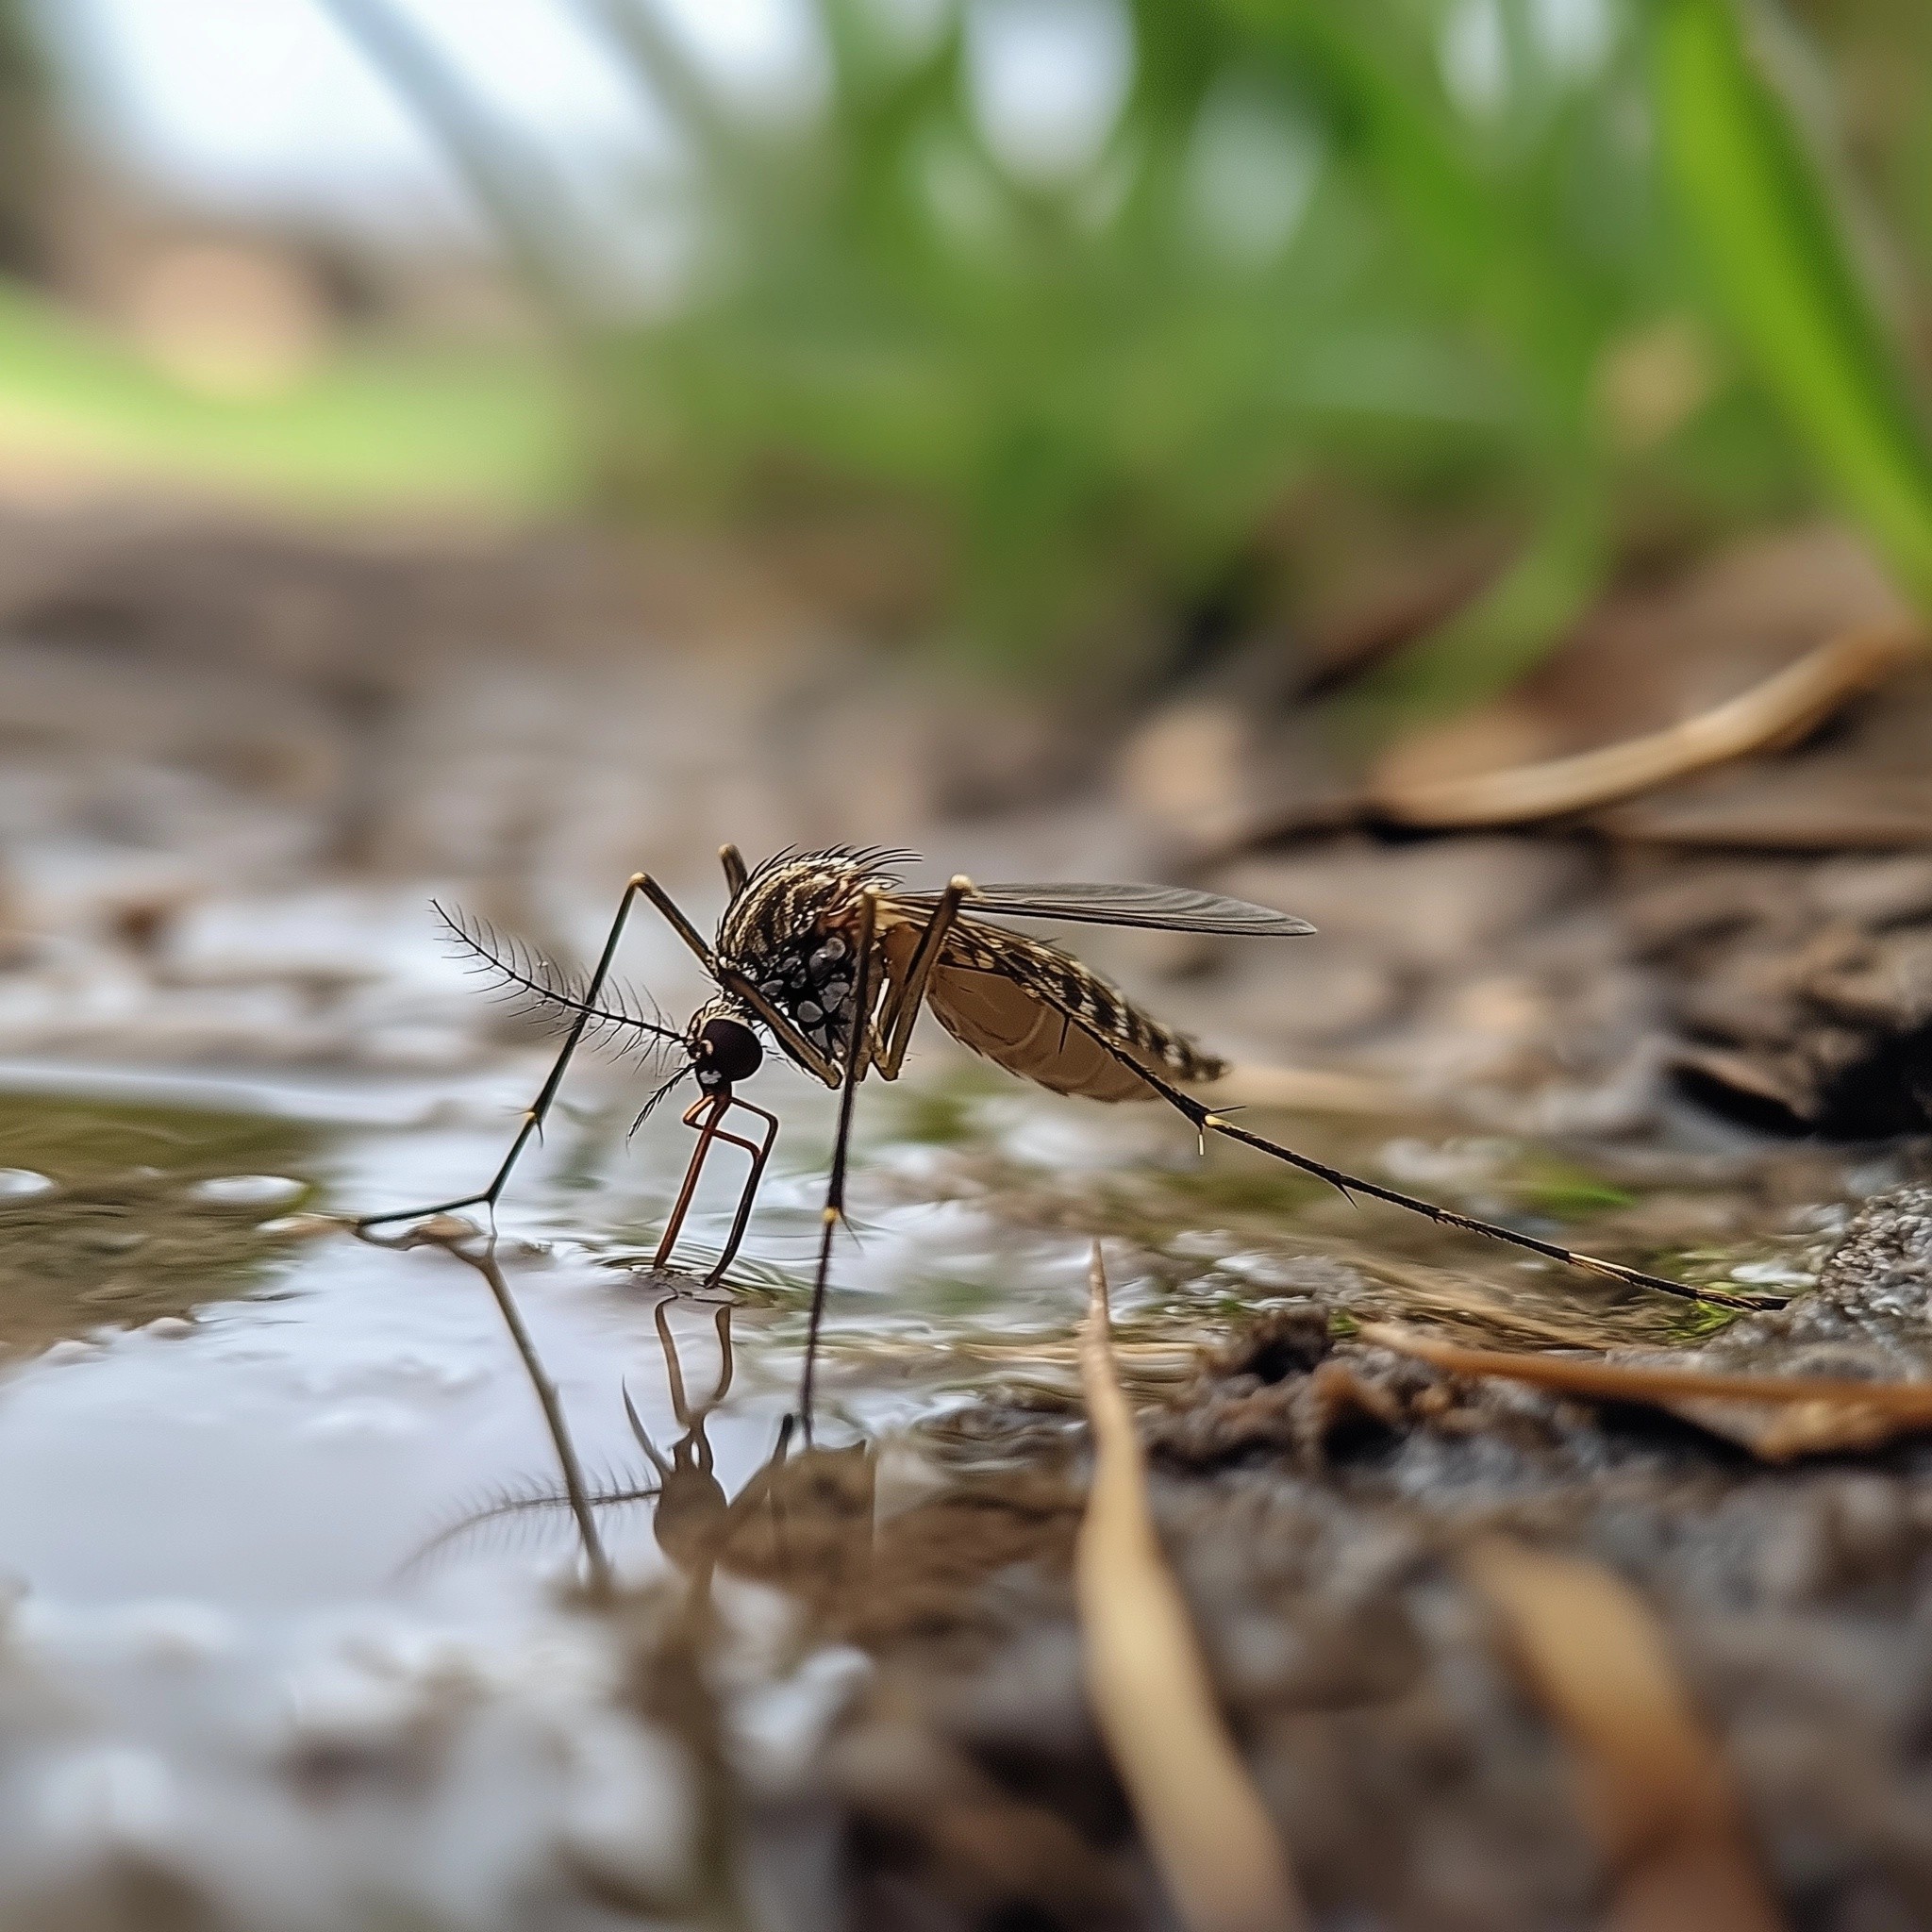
x: 475, y: 429
x: 1572, y: 265
x: 1776, y: 250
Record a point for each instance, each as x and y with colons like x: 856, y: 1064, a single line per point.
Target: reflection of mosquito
x: 694, y: 1516
x: 696, y: 1522
x: 823, y: 953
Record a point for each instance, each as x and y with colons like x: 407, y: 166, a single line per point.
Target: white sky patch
x: 1047, y: 80
x: 266, y: 106
x: 1475, y: 58
x: 1575, y: 36
x: 766, y: 57
x: 1252, y: 169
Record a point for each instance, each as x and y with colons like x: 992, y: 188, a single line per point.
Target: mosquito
x: 826, y: 955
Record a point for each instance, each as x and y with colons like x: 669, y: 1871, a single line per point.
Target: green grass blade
x: 1761, y: 217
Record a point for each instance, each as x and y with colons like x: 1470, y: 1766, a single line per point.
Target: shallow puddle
x: 273, y: 1491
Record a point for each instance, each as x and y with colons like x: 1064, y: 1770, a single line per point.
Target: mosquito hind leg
x: 538, y: 1109
x: 1205, y: 1121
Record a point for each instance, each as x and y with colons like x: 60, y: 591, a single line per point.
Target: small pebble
x: 248, y: 1191
x: 447, y: 1228
x: 112, y: 1240
x: 302, y: 1226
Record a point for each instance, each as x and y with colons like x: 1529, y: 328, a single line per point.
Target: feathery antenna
x: 531, y: 983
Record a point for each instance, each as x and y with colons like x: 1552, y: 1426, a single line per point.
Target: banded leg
x: 1205, y: 1121
x: 858, y: 1053
x: 896, y: 1020
x: 710, y: 1132
x: 535, y: 1114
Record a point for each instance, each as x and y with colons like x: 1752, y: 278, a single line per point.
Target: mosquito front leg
x: 535, y: 1114
x: 902, y: 1008
x: 857, y: 1051
x: 674, y: 919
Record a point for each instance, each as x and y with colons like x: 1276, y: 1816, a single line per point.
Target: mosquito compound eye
x: 730, y: 1051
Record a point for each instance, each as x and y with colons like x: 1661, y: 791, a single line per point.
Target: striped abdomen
x: 1035, y: 1010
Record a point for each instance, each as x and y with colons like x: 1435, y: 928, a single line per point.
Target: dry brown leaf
x: 1198, y: 1811
x: 1655, y: 1794
x: 1776, y: 1417
x: 1780, y: 708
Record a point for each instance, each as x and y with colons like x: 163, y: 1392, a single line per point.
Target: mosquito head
x: 724, y: 1049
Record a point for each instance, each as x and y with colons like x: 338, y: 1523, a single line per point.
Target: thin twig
x: 1784, y: 706
x: 1214, y: 1843
x: 516, y: 191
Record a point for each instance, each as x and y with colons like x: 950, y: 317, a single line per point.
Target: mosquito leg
x: 713, y: 1106
x: 761, y: 1152
x: 727, y: 1363
x: 675, y: 920
x: 896, y: 1021
x: 788, y: 1035
x: 736, y: 870
x: 535, y: 1114
x: 856, y: 1056
x: 575, y: 1488
x: 674, y: 1369
x: 643, y: 1436
x: 1207, y: 1122
x: 708, y: 1133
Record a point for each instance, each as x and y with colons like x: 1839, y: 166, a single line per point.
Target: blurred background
x: 1074, y: 339
x: 502, y: 444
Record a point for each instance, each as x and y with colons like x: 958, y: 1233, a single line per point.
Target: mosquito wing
x: 1168, y: 909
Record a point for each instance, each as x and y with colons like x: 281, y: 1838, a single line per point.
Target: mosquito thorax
x: 723, y: 1052
x: 810, y: 978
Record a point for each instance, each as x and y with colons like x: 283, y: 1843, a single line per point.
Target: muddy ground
x: 235, y: 762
